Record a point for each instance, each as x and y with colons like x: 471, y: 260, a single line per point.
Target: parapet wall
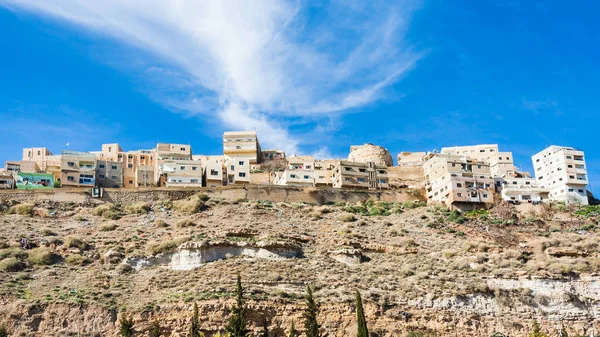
x: 251, y: 192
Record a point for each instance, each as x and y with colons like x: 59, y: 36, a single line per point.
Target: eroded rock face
x: 565, y: 251
x: 348, y: 256
x: 192, y: 255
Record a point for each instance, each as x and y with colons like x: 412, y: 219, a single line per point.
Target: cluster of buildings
x: 457, y: 176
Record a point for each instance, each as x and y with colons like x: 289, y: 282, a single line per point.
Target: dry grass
x: 185, y: 223
x: 138, y: 208
x: 21, y: 209
x: 11, y: 264
x: 160, y: 224
x: 347, y: 217
x: 167, y: 246
x: 191, y: 205
x: 75, y: 242
x: 108, y: 211
x: 41, y: 257
x: 107, y: 227
x: 76, y: 260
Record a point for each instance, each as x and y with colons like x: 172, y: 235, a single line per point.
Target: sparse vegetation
x: 185, y: 223
x: 107, y: 227
x: 76, y: 260
x: 21, y: 209
x: 166, y: 246
x: 11, y: 264
x: 138, y: 208
x: 107, y: 211
x: 41, y: 257
x: 194, y: 204
x: 75, y: 242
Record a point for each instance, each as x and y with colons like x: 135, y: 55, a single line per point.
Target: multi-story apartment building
x: 350, y: 174
x: 138, y: 166
x: 237, y: 170
x: 109, y: 173
x: 78, y: 169
x: 214, y: 170
x: 520, y: 187
x: 273, y: 155
x: 562, y: 170
x: 7, y: 181
x: 457, y: 180
x: 182, y: 173
x: 242, y: 145
x: 294, y: 178
x: 501, y: 163
x: 38, y: 155
x: 21, y: 166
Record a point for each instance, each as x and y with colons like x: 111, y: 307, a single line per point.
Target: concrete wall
x: 266, y: 193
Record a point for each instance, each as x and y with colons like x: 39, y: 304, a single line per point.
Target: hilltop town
x: 465, y: 177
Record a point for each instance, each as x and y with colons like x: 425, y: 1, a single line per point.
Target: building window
x: 101, y: 176
x: 129, y: 165
x: 142, y: 157
x: 292, y: 176
x: 113, y: 177
x: 241, y: 163
x: 571, y: 190
x: 459, y: 194
x: 114, y: 167
x: 242, y: 174
x: 569, y: 157
x: 458, y: 185
x: 120, y: 156
x: 232, y: 168
x: 485, y: 195
x: 194, y: 168
x: 130, y: 156
x: 101, y: 165
x: 71, y: 164
x: 182, y: 149
x: 110, y: 149
x: 308, y: 167
x: 362, y: 180
x: 182, y: 168
x: 305, y: 177
x: 580, y: 191
x: 348, y: 179
x: 481, y: 150
x: 362, y: 170
x: 71, y: 178
x: 131, y: 181
x: 214, y: 172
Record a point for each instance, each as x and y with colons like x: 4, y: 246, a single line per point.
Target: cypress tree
x: 536, y: 330
x: 292, y: 330
x: 311, y: 326
x: 237, y: 321
x: 265, y: 332
x: 126, y: 326
x: 195, y: 327
x: 563, y: 332
x: 361, y: 322
x: 154, y: 329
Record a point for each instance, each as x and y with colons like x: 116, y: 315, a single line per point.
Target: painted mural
x: 34, y: 181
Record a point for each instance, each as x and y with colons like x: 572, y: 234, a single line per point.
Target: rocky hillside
x: 419, y: 268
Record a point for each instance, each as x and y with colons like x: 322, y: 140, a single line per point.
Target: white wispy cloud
x: 255, y: 64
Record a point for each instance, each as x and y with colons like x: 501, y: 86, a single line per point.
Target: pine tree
x: 536, y: 330
x: 154, y: 329
x: 265, y: 332
x: 563, y: 332
x: 311, y: 326
x: 126, y: 328
x: 237, y: 321
x: 195, y: 327
x: 292, y: 330
x: 361, y: 322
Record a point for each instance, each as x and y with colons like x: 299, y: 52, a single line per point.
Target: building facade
x: 351, y: 174
x: 457, y: 181
x: 77, y: 169
x: 109, y: 174
x: 563, y: 171
x: 242, y: 145
x: 38, y: 155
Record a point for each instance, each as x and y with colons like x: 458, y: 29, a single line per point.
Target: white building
x: 521, y: 188
x: 563, y: 172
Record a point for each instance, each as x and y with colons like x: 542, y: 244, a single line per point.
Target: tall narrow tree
x: 361, y: 322
x: 126, y: 326
x: 237, y: 321
x: 265, y: 332
x: 292, y: 330
x: 154, y: 329
x: 311, y: 325
x: 195, y: 326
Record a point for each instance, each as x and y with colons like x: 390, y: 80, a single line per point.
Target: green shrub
x: 22, y: 209
x: 203, y: 197
x: 11, y: 264
x: 42, y: 257
x: 76, y: 260
x: 15, y: 252
x: 107, y: 227
x: 75, y: 242
x: 138, y: 208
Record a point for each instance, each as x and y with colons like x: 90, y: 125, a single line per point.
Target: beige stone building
x: 109, y: 174
x: 501, y: 163
x: 138, y: 166
x: 457, y: 180
x: 520, y: 188
x: 370, y: 153
x: 77, y: 169
x: 242, y: 145
x: 406, y: 158
x: 38, y: 155
x: 358, y: 175
x: 562, y: 170
x: 7, y: 181
x: 214, y: 170
x: 21, y: 166
x: 183, y: 173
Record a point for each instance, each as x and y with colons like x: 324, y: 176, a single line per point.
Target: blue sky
x: 310, y: 78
